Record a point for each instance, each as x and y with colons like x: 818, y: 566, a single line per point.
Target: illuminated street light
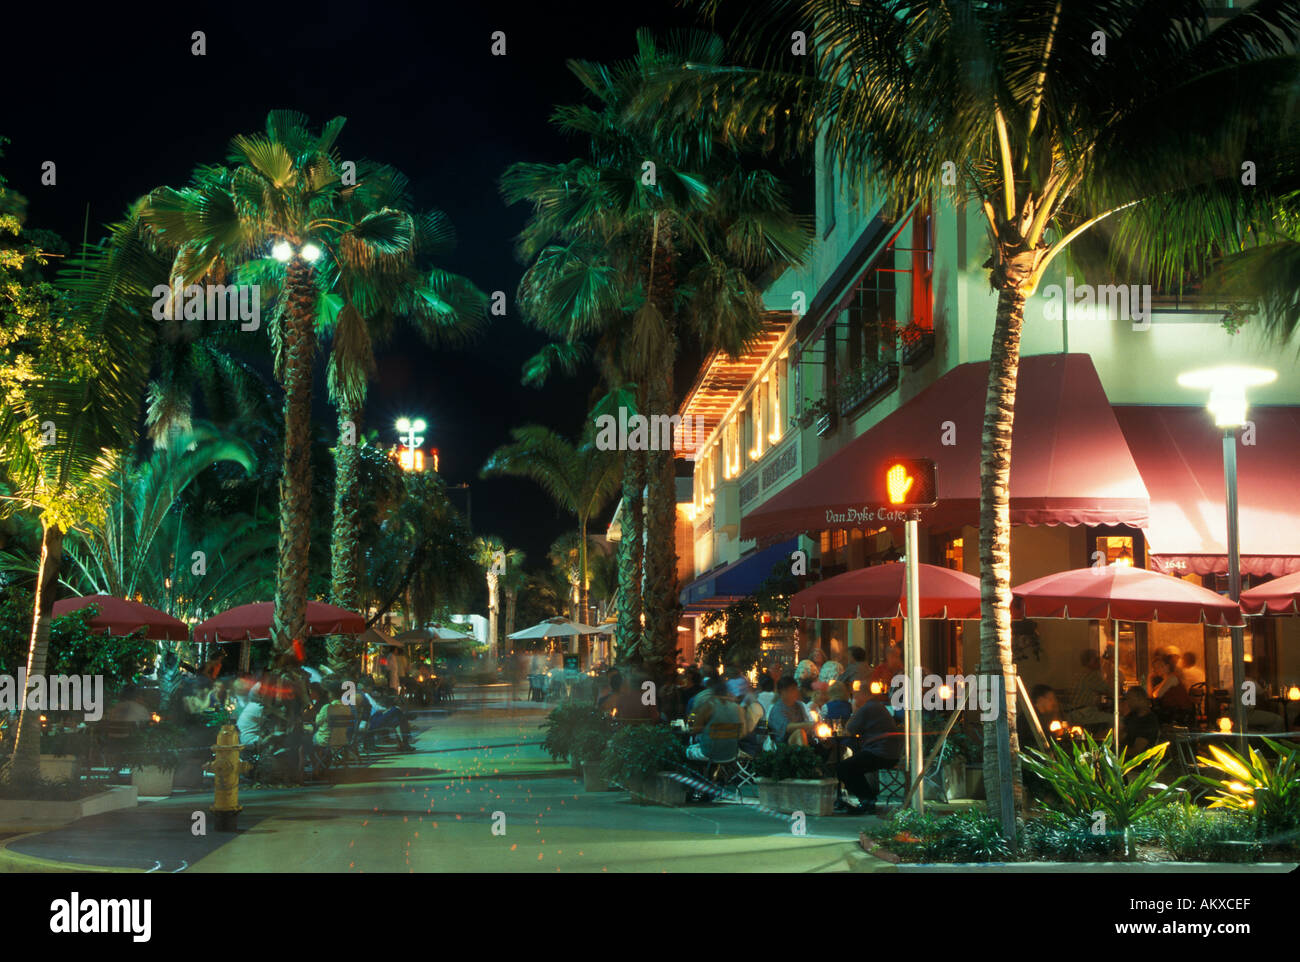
x: 1227, y: 386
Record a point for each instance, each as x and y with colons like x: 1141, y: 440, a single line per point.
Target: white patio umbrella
x: 554, y: 628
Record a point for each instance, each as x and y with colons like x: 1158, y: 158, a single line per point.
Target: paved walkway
x: 479, y: 794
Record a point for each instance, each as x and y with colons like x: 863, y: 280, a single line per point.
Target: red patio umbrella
x: 1123, y: 593
x: 879, y: 592
x: 1281, y: 596
x: 253, y: 622
x: 117, y: 616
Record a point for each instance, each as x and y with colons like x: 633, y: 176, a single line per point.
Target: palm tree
x: 654, y: 234
x: 580, y: 478
x: 284, y: 193
x: 1054, y: 120
x: 491, y: 554
x: 74, y: 362
x: 360, y: 308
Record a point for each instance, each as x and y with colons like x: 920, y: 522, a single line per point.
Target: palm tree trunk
x: 582, y: 571
x: 661, y: 602
x: 25, y: 762
x: 299, y: 345
x: 995, y: 518
x: 631, y: 554
x: 345, y: 537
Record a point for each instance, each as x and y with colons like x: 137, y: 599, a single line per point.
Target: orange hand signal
x: 899, y: 482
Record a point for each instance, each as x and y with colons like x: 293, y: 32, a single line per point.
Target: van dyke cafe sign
x: 866, y: 514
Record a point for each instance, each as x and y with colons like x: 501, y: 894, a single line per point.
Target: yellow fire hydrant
x: 227, y: 768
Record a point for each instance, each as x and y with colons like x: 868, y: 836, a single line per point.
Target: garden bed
x: 26, y: 814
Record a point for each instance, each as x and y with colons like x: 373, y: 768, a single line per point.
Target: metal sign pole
x: 912, y: 662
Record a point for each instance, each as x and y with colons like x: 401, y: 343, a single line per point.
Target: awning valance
x: 1069, y: 462
x: 1179, y: 452
x: 721, y: 586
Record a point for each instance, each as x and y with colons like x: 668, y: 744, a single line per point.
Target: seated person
x: 857, y: 667
x: 753, y: 724
x: 253, y: 723
x: 1173, y: 703
x: 1090, y: 705
x: 883, y: 674
x: 609, y: 700
x: 130, y: 707
x: 692, y: 685
x: 766, y: 691
x: 332, y: 716
x: 1189, y: 671
x: 1139, y: 727
x: 837, y: 707
x: 788, y: 720
x: 716, y: 726
x: 386, y: 716
x: 878, y: 745
x: 1048, y: 710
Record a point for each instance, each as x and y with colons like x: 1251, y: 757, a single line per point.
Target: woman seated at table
x: 1173, y: 703
x: 837, y: 707
x: 789, y: 719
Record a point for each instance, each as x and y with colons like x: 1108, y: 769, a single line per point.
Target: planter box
x: 1120, y: 868
x: 150, y: 780
x: 659, y: 790
x: 19, y: 814
x: 592, y: 780
x: 918, y: 352
x: 881, y: 381
x: 812, y: 796
x: 60, y: 768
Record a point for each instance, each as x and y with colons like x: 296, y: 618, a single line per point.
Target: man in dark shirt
x: 878, y: 745
x: 1139, y: 729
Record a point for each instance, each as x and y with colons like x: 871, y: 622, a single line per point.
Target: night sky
x: 117, y: 100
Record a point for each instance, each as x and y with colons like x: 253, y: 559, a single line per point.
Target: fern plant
x: 1269, y: 792
x: 1090, y: 780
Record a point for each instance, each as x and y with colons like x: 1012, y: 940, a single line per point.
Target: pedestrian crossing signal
x: 909, y: 483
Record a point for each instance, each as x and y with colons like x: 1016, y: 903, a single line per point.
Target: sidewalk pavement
x: 479, y: 794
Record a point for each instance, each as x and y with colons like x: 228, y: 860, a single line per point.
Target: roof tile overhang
x: 722, y: 379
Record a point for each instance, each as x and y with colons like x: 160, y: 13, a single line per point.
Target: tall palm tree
x: 659, y: 233
x: 361, y: 306
x: 580, y: 478
x: 491, y: 554
x: 74, y: 361
x: 1055, y: 120
x: 282, y: 194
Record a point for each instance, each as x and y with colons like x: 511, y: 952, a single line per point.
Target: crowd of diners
x: 831, y: 708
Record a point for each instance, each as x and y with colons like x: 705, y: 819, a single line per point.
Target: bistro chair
x: 722, y: 765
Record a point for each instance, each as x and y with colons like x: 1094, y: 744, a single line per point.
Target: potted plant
x: 641, y: 757
x: 589, y: 749
x: 153, y: 755
x: 791, y: 779
x: 563, y: 725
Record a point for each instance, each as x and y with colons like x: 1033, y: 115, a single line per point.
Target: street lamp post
x: 1227, y: 387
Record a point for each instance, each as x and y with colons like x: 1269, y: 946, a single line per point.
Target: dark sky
x: 114, y: 96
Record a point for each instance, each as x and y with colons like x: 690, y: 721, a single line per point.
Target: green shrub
x: 1059, y: 837
x: 590, y: 742
x: 972, y: 835
x: 1269, y: 793
x: 789, y: 761
x: 1088, y: 778
x: 639, y: 751
x: 1192, y: 834
x: 563, y: 725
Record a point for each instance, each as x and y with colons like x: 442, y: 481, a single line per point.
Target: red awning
x: 1069, y: 462
x: 1179, y: 452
